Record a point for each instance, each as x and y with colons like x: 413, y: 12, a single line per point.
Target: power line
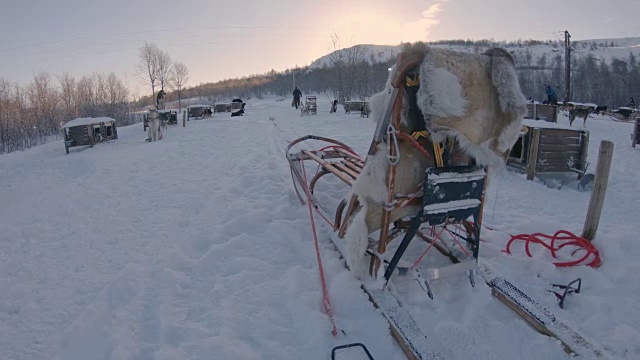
x: 139, y: 40
x: 136, y: 48
x: 159, y: 30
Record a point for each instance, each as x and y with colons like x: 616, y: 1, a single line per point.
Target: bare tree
x: 148, y: 65
x: 43, y: 98
x: 337, y: 62
x: 165, y: 66
x: 180, y: 76
x: 68, y: 88
x: 346, y: 63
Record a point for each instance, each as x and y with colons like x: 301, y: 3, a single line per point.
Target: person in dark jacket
x: 297, y: 94
x: 334, y: 106
x: 632, y: 104
x: 552, y: 98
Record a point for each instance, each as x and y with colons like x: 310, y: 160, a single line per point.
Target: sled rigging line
x: 326, y: 301
x: 559, y: 240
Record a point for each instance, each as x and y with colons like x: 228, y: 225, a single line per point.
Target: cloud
x: 375, y: 26
x: 428, y: 19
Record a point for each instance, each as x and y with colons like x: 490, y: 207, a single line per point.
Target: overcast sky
x: 223, y: 39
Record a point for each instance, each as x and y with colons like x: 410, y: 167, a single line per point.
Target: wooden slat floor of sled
x: 346, y: 170
x: 352, y: 165
x: 330, y: 167
x: 349, y: 155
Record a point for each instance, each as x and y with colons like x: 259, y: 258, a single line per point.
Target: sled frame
x: 340, y: 160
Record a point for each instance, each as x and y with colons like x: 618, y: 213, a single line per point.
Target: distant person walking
x: 297, y: 94
x: 632, y: 104
x: 334, y: 106
x: 552, y: 98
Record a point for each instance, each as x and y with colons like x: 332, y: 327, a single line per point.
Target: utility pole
x: 567, y: 66
x: 294, y: 78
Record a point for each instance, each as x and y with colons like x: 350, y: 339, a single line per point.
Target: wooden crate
x: 220, y: 108
x: 199, y: 111
x: 547, y: 113
x: 89, y: 134
x: 542, y: 150
x: 356, y: 106
x: 168, y: 116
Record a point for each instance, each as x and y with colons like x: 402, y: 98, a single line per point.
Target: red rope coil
x: 556, y: 242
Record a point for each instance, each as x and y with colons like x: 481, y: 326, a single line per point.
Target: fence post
x: 184, y: 115
x: 532, y: 160
x: 599, y: 189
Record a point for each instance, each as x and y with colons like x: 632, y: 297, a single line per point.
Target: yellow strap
x: 418, y: 134
x: 438, y: 150
x: 415, y: 81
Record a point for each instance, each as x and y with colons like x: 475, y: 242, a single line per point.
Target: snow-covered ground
x: 195, y: 247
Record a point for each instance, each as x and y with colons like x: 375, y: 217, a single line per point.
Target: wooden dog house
x: 542, y: 112
x: 88, y: 131
x: 361, y: 107
x: 544, y: 148
x: 199, y: 111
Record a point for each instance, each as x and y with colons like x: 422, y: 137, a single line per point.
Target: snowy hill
x: 196, y: 247
x: 372, y: 53
x: 599, y: 48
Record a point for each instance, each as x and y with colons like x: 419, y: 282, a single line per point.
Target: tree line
x: 592, y: 80
x: 31, y: 114
x: 351, y: 74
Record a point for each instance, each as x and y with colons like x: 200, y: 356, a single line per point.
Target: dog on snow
x: 155, y: 129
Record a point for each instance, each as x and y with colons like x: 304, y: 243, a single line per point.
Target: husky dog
x: 155, y: 130
x: 579, y: 113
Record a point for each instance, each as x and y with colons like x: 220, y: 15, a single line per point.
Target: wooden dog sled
x: 442, y: 207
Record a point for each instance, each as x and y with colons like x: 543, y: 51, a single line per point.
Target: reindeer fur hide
x: 474, y: 98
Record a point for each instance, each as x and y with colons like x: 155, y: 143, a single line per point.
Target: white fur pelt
x: 474, y: 98
x: 154, y: 131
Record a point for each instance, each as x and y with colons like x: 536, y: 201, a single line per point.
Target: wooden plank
x: 357, y: 163
x: 554, y: 162
x: 533, y: 154
x: 349, y: 155
x: 541, y: 169
x: 329, y: 167
x: 584, y: 150
x: 559, y: 147
x: 351, y: 166
x: 345, y: 169
x: 560, y: 139
x: 556, y: 166
x: 561, y: 132
x: 559, y: 154
x: 599, y: 190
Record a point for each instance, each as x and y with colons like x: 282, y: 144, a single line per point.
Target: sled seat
x: 451, y: 195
